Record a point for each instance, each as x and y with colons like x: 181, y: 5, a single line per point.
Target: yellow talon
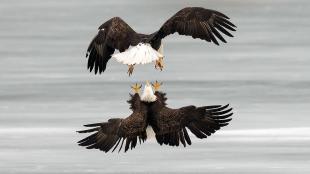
x: 136, y: 88
x: 130, y: 69
x: 157, y: 85
x: 159, y: 64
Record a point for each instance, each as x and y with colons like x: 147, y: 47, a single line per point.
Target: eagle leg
x: 130, y: 69
x: 159, y: 64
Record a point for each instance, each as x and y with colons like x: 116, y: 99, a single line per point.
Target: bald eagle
x: 169, y: 125
x: 136, y: 48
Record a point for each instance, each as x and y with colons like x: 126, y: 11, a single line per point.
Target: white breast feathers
x: 141, y: 54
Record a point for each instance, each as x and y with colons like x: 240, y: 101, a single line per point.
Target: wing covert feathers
x: 198, y: 22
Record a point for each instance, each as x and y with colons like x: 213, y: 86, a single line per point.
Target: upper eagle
x: 137, y: 48
x: 169, y: 125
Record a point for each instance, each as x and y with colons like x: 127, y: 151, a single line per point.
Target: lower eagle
x: 150, y: 110
x: 137, y: 48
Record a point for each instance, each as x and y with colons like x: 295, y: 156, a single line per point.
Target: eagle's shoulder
x: 116, y: 24
x: 134, y: 101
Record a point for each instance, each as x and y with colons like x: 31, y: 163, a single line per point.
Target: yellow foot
x: 136, y: 88
x: 159, y: 64
x: 130, y: 69
x: 157, y: 85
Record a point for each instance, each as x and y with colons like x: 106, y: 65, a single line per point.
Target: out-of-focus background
x: 46, y: 92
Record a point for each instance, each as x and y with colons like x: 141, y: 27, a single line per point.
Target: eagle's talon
x: 157, y: 85
x: 130, y: 69
x: 136, y: 87
x: 159, y: 64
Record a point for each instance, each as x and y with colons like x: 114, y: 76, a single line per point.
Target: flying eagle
x: 169, y: 125
x: 137, y: 48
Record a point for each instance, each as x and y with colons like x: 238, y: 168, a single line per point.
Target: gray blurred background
x: 46, y: 92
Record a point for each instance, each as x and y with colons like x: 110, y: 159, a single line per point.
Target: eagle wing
x: 197, y: 22
x: 171, y: 124
x: 114, y: 132
x: 113, y: 34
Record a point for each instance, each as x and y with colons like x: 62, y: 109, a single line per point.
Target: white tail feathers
x: 148, y: 94
x: 150, y: 133
x: 141, y: 54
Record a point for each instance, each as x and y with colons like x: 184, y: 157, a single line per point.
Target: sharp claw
x: 159, y: 64
x: 136, y: 87
x: 157, y: 85
x: 156, y: 66
x: 130, y: 69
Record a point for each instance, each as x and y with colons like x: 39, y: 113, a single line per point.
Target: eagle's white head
x: 148, y: 93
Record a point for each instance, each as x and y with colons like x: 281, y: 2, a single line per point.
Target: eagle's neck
x: 148, y: 95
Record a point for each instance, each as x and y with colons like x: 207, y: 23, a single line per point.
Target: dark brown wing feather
x: 113, y: 34
x: 111, y: 134
x: 198, y: 22
x: 119, y: 34
x: 170, y: 124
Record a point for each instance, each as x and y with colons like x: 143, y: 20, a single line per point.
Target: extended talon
x: 136, y: 87
x: 159, y: 64
x: 130, y: 69
x: 157, y: 85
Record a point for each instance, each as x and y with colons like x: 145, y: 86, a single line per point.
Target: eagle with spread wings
x: 150, y: 110
x: 137, y: 48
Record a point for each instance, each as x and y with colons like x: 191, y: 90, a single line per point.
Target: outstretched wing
x: 111, y: 134
x: 197, y: 22
x: 201, y: 121
x: 113, y: 34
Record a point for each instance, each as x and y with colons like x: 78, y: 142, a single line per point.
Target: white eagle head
x: 148, y: 93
